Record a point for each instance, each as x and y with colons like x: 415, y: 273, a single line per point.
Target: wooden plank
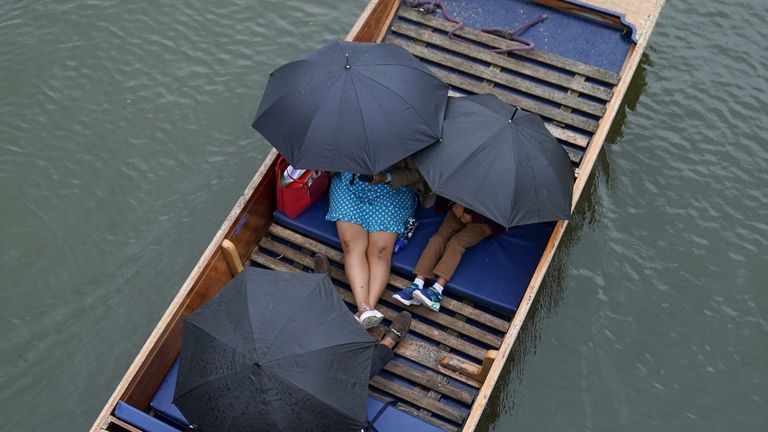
x: 430, y: 380
x: 451, y: 413
x: 510, y: 63
x: 520, y: 101
x: 396, y: 281
x: 558, y: 132
x: 497, y: 42
x: 498, y: 77
x: 570, y: 137
x: 440, y: 318
x: 416, y: 326
x: 427, y: 355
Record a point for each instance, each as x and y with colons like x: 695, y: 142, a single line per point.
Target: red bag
x: 297, y: 196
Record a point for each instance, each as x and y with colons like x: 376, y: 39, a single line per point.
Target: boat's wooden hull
x: 251, y: 218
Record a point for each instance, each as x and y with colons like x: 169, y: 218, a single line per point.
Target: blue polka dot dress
x: 374, y: 207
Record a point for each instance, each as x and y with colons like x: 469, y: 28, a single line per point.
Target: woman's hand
x: 379, y: 178
x: 458, y: 211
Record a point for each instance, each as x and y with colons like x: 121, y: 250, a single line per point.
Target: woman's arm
x: 402, y: 177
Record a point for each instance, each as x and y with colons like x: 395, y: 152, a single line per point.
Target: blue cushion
x: 140, y: 419
x: 394, y: 420
x: 162, y: 402
x: 495, y: 273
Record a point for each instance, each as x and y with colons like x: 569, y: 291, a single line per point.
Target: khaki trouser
x: 443, y: 253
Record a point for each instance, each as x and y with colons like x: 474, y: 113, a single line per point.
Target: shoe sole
x: 370, y: 319
x: 426, y: 302
x: 413, y: 302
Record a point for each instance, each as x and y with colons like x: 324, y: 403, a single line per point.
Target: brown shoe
x: 321, y: 264
x: 399, y: 327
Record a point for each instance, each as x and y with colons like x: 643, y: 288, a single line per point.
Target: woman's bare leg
x: 354, y: 242
x: 379, y: 253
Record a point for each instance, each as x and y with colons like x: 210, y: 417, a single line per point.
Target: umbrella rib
x: 175, y: 396
x: 284, y: 323
x: 540, y: 151
x: 398, y: 95
x: 294, y: 385
x: 416, y: 68
x: 362, y: 117
x: 316, y: 350
x: 295, y: 90
x: 191, y: 322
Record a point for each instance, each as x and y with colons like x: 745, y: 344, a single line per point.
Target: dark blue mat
x: 495, y: 273
x: 563, y: 33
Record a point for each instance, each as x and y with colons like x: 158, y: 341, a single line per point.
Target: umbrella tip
x: 346, y: 57
x: 513, y: 114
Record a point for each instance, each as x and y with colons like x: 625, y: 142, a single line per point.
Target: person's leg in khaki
x: 469, y: 236
x: 429, y: 257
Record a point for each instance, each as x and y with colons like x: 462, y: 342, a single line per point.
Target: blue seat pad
x: 162, y: 402
x: 140, y: 419
x: 392, y: 420
x: 494, y: 273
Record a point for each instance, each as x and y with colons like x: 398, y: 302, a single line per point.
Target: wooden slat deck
x: 454, y: 332
x: 497, y: 42
x: 537, y: 81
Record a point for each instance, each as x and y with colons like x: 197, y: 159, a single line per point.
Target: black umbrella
x: 351, y: 106
x: 274, y: 351
x: 500, y: 161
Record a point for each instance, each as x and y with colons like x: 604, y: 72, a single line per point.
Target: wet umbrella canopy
x: 499, y: 161
x: 274, y: 351
x: 351, y: 106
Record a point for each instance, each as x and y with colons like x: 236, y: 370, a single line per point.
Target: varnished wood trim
x: 627, y: 71
x: 234, y: 262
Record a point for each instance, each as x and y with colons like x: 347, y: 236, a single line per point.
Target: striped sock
x: 438, y: 288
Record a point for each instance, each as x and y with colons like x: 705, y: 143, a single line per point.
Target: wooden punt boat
x: 446, y: 369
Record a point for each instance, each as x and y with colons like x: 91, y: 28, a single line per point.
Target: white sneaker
x: 370, y: 318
